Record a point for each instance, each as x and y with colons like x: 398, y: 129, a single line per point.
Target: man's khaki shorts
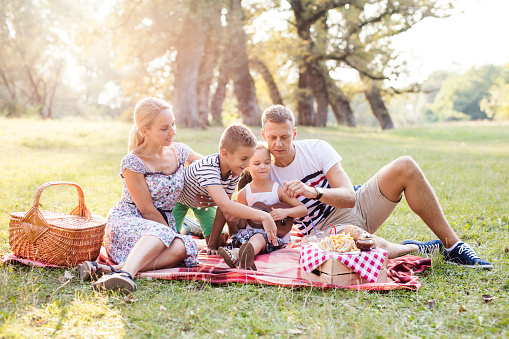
x: 370, y: 211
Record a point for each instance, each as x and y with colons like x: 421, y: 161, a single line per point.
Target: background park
x: 71, y: 72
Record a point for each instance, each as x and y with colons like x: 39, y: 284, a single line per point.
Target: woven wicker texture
x: 53, y: 237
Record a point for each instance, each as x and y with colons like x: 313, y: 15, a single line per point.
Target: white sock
x: 453, y: 246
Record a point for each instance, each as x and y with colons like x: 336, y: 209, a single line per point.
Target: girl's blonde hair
x: 245, y: 176
x: 145, y: 111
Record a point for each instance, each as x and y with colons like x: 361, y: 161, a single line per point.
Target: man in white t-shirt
x: 311, y: 171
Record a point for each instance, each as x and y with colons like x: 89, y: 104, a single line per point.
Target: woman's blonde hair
x: 145, y: 111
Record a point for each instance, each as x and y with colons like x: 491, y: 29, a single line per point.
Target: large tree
x: 353, y: 34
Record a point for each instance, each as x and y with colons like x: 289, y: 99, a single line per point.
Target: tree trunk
x: 208, y: 62
x: 305, y: 107
x: 190, y: 46
x: 343, y: 111
x: 319, y: 86
x: 310, y: 70
x: 216, y: 106
x: 244, y: 87
x: 339, y: 103
x: 261, y: 68
x: 372, y: 93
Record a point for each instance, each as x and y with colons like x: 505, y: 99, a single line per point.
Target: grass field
x: 466, y: 164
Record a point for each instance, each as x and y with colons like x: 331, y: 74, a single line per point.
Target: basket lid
x: 65, y: 221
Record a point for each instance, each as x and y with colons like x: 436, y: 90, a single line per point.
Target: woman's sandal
x: 120, y: 280
x: 246, y: 256
x: 89, y: 270
x: 229, y: 257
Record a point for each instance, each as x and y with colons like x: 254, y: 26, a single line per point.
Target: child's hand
x: 278, y: 213
x: 209, y: 251
x: 270, y: 228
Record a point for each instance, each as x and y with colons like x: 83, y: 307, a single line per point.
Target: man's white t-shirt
x: 313, y: 159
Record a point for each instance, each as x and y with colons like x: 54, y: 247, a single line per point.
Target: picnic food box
x: 333, y: 271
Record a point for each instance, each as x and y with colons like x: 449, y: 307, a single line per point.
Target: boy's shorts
x: 371, y: 209
x: 205, y: 216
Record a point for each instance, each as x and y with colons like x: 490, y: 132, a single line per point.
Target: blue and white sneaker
x: 464, y: 255
x: 425, y: 247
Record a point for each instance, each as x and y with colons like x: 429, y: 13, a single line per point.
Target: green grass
x: 466, y: 164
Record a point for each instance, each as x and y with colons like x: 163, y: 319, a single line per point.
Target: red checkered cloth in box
x: 367, y: 264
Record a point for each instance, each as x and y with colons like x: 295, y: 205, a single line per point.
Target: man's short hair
x: 278, y: 114
x: 236, y: 135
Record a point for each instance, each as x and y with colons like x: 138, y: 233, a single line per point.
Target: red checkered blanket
x: 367, y: 264
x: 279, y: 268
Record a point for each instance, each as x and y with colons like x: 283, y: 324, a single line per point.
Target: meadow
x: 467, y: 164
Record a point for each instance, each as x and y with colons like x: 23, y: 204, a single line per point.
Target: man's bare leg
x: 404, y: 175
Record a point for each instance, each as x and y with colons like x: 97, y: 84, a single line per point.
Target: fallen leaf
x: 507, y: 249
x: 432, y: 303
x: 129, y: 298
x: 294, y: 331
x: 68, y: 275
x: 162, y: 308
x: 462, y: 309
x: 220, y: 331
x: 487, y: 298
x: 42, y: 322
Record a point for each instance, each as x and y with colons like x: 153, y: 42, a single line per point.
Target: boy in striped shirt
x: 216, y: 175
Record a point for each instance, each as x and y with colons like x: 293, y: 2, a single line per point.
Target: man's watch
x: 319, y: 192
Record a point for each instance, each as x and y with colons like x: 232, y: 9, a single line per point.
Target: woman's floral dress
x: 126, y: 225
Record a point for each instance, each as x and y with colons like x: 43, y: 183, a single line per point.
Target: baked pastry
x: 365, y: 242
x: 354, y: 231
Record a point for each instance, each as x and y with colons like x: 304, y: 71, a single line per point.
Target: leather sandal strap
x: 232, y: 255
x: 126, y: 273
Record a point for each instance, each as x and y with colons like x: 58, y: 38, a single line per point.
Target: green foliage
x: 496, y: 104
x: 466, y: 164
x: 460, y: 95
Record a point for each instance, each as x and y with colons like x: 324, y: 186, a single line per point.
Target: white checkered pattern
x: 367, y: 264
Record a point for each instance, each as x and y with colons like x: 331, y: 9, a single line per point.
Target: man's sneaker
x: 464, y: 255
x: 425, y: 247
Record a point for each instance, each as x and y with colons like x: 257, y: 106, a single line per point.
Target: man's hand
x: 296, y: 187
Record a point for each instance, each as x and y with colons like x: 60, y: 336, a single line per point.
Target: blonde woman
x: 141, y: 234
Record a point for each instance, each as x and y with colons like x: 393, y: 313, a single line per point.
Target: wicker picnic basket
x: 53, y: 237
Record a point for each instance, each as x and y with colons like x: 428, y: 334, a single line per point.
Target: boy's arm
x: 217, y: 227
x: 229, y: 207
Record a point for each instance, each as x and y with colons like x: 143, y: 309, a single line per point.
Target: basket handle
x: 80, y: 210
x: 33, y: 222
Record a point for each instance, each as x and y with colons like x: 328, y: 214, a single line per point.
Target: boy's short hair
x: 278, y: 114
x: 236, y: 135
